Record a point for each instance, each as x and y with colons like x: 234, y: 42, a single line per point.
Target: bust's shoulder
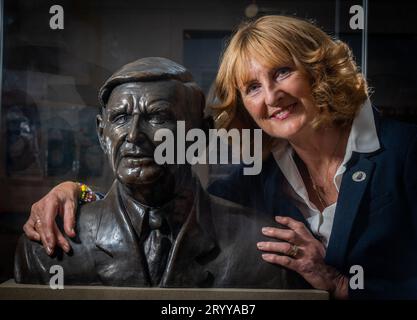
x: 259, y: 192
x: 33, y: 265
x: 228, y: 215
x: 89, y: 214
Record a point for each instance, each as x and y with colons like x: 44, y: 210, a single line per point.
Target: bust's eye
x: 159, y: 117
x: 120, y: 119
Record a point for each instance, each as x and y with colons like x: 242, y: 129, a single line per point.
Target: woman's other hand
x: 41, y: 225
x: 298, y: 250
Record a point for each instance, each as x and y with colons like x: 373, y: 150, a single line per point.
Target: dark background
x: 50, y: 77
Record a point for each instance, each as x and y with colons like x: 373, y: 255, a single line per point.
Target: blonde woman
x: 351, y: 174
x: 339, y: 177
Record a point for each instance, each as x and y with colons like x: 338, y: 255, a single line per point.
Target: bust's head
x: 142, y: 97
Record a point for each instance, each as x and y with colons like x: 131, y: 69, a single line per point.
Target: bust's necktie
x: 157, y: 246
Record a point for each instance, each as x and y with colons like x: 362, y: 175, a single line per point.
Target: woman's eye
x: 282, y: 73
x: 252, y: 88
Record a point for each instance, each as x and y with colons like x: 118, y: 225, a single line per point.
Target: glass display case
x: 51, y: 71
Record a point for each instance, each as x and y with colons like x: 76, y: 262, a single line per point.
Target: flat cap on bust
x: 145, y: 69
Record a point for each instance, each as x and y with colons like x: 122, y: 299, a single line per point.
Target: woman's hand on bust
x: 41, y: 225
x: 298, y: 250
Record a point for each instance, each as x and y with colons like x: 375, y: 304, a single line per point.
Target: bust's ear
x: 99, y: 128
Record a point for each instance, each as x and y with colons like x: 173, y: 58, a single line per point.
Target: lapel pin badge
x: 359, y: 176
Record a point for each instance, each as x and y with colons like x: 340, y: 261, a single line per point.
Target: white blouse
x: 363, y: 138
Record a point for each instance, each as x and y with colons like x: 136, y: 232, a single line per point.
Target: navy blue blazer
x: 375, y: 223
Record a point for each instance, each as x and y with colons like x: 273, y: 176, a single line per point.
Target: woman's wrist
x: 339, y: 289
x: 85, y: 194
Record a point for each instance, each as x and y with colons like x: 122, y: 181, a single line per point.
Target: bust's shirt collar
x: 175, y: 211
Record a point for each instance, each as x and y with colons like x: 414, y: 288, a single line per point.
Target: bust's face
x: 134, y: 112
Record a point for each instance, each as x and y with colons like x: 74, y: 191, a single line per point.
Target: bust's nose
x: 135, y: 134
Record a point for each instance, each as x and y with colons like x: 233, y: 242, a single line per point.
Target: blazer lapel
x: 193, y: 246
x: 123, y: 263
x: 354, y: 183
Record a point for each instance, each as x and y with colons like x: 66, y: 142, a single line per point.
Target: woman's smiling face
x: 278, y: 99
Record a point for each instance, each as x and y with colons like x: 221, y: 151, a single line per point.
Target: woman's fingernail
x: 265, y: 230
x: 49, y: 250
x: 72, y: 231
x: 260, y: 245
x: 266, y: 256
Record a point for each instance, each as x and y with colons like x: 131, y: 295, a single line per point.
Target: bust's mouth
x: 138, y: 159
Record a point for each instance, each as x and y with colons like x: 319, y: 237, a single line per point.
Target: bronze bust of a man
x: 156, y: 226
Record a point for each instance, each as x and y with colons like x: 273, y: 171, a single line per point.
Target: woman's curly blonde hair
x: 338, y: 88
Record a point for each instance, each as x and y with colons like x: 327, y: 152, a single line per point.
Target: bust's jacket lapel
x: 118, y: 258
x: 193, y: 246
